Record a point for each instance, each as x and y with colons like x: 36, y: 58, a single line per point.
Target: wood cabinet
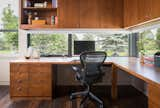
x: 31, y: 80
x: 68, y: 13
x: 153, y: 96
x: 140, y: 11
x: 155, y: 9
x: 111, y: 13
x: 89, y: 14
x: 130, y: 12
x: 144, y: 10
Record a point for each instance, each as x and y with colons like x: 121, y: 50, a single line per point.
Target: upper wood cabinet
x: 155, y: 4
x: 68, y: 13
x: 140, y: 11
x: 89, y: 14
x: 130, y: 12
x: 144, y: 10
x: 111, y: 13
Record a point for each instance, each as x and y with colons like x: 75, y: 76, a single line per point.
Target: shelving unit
x: 42, y: 13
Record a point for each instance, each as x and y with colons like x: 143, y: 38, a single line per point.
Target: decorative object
x: 45, y: 4
x: 141, y: 48
x: 54, y: 3
x: 29, y: 18
x: 38, y: 22
x: 35, y: 54
x: 25, y: 3
x: 28, y: 53
x: 157, y: 54
x: 39, y: 5
x: 52, y: 20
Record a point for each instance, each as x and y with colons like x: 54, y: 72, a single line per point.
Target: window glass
x: 50, y: 44
x: 8, y: 27
x: 114, y: 45
x: 149, y: 41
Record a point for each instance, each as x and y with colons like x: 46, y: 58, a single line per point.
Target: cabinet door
x: 68, y: 13
x: 144, y: 10
x: 130, y: 12
x: 117, y: 14
x: 40, y: 80
x: 89, y: 14
x: 18, y: 80
x: 155, y: 8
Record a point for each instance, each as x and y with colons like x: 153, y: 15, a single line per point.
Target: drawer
x: 40, y: 67
x: 152, y: 104
x: 19, y: 68
x: 19, y: 76
x: 19, y: 90
x: 154, y: 94
x: 44, y: 90
x: 40, y: 77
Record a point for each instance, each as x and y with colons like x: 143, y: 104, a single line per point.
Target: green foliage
x: 10, y: 22
x: 50, y: 44
x: 114, y: 45
x: 147, y: 44
x: 158, y: 39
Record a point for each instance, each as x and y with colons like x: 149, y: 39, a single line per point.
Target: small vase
x: 142, y: 58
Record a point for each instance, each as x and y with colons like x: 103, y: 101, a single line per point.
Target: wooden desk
x: 149, y: 74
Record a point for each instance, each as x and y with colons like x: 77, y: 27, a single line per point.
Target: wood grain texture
x: 144, y: 10
x: 111, y: 13
x: 30, y: 80
x: 153, y: 96
x: 69, y: 13
x: 114, y: 82
x: 130, y: 12
x: 89, y: 14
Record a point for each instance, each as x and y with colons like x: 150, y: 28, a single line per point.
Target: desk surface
x: 148, y: 73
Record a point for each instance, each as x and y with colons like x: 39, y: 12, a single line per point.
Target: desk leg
x: 114, y: 82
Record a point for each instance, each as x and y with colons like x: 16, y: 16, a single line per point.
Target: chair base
x: 87, y: 95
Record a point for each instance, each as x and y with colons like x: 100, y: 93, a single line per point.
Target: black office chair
x: 91, y: 72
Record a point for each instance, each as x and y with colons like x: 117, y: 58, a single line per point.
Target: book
x: 54, y: 4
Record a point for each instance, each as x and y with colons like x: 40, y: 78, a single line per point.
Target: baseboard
x: 4, y: 82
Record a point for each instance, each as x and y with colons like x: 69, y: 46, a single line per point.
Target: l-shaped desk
x: 34, y: 78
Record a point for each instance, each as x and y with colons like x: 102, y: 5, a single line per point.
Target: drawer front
x: 154, y: 95
x: 19, y: 90
x: 40, y: 78
x: 18, y: 79
x: 40, y: 67
x: 40, y: 90
x: 152, y: 105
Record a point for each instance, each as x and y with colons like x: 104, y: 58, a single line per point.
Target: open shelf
x: 30, y: 26
x: 35, y: 8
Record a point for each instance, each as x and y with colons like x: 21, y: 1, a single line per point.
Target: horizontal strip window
x: 62, y: 44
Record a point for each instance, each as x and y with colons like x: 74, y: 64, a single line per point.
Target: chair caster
x: 71, y: 97
x: 101, y: 106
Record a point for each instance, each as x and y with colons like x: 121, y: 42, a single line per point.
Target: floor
x: 129, y: 97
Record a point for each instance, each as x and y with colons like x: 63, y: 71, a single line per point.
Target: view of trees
x: 50, y: 44
x: 150, y: 41
x: 114, y: 44
x: 9, y: 40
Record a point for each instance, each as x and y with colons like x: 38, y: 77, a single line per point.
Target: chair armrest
x: 78, y: 72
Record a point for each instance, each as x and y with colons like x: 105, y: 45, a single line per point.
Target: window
x: 114, y: 45
x: 9, y: 27
x: 50, y: 44
x: 149, y: 41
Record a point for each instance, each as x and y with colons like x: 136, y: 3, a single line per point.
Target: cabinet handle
x: 19, y: 89
x: 19, y: 81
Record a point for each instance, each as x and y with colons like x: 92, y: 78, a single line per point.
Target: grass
x: 5, y: 51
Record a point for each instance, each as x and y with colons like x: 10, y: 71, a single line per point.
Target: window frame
x: 131, y: 47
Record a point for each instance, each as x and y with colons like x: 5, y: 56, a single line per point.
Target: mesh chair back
x: 92, y: 61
